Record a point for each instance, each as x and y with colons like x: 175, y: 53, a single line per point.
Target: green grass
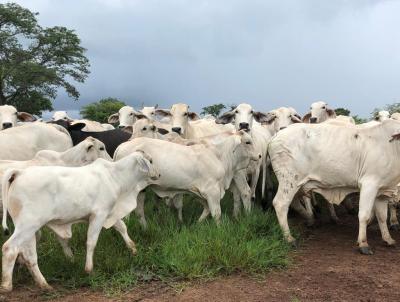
x: 167, y: 250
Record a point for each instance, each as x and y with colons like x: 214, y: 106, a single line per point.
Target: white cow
x: 335, y: 161
x: 319, y: 112
x: 280, y: 118
x: 243, y: 116
x: 126, y: 117
x: 9, y: 116
x: 82, y: 154
x: 188, y: 124
x: 382, y: 116
x: 91, y: 126
x: 395, y: 116
x: 149, y: 112
x: 204, y: 169
x: 101, y: 193
x: 23, y: 142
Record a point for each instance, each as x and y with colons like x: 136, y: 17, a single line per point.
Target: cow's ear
x: 306, y: 118
x: 331, y: 112
x: 25, y: 117
x: 76, y: 127
x: 113, y: 118
x: 395, y: 136
x: 144, y: 164
x: 139, y: 115
x: 260, y: 117
x: 162, y: 131
x: 226, y: 118
x: 295, y: 118
x: 89, y: 147
x: 193, y: 116
x: 127, y: 129
x: 270, y: 118
x: 163, y: 113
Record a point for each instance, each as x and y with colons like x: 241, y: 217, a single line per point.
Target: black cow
x: 111, y: 138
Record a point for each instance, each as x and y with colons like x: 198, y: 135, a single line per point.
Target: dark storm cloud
x: 268, y: 53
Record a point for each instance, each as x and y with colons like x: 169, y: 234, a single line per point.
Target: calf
x: 319, y: 112
x: 101, y: 193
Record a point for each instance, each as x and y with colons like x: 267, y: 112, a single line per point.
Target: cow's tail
x: 8, y: 178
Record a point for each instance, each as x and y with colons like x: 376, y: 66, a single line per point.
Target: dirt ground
x: 326, y: 267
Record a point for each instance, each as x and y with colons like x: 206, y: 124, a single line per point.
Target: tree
x: 359, y: 120
x: 342, y: 111
x: 35, y: 62
x: 101, y: 110
x: 214, y: 110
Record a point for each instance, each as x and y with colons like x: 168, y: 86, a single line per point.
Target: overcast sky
x: 266, y: 53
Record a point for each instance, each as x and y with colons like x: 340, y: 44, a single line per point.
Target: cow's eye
x: 15, y: 113
x: 252, y: 111
x: 323, y: 107
x: 65, y: 118
x: 248, y: 143
x: 185, y: 114
x: 101, y: 148
x: 144, y: 128
x: 151, y: 161
x: 131, y: 113
x: 236, y: 111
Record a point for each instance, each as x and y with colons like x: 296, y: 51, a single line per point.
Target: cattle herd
x: 65, y: 171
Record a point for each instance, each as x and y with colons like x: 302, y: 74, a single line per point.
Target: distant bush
x: 101, y: 110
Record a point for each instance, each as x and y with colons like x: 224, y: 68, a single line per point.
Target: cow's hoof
x: 46, y: 288
x: 5, y: 289
x: 391, y: 243
x: 293, y: 243
x: 365, y: 250
x: 395, y: 227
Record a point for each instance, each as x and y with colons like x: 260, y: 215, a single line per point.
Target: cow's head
x: 395, y: 116
x: 242, y: 116
x: 319, y: 112
x: 245, y: 151
x: 126, y: 116
x: 89, y: 150
x: 149, y: 112
x: 382, y: 116
x: 146, y: 128
x: 61, y: 115
x: 9, y: 117
x: 179, y: 117
x: 282, y: 117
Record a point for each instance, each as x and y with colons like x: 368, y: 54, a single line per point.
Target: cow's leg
x: 121, y: 228
x: 140, y: 209
x: 206, y: 210
x: 394, y: 223
x: 254, y: 180
x: 236, y: 200
x: 281, y: 202
x: 95, y: 225
x: 244, y: 190
x: 30, y: 256
x: 213, y: 201
x: 178, y: 205
x: 381, y: 209
x: 11, y: 248
x: 298, y: 207
x: 332, y: 213
x: 367, y: 198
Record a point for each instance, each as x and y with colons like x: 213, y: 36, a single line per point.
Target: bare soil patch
x: 326, y: 267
